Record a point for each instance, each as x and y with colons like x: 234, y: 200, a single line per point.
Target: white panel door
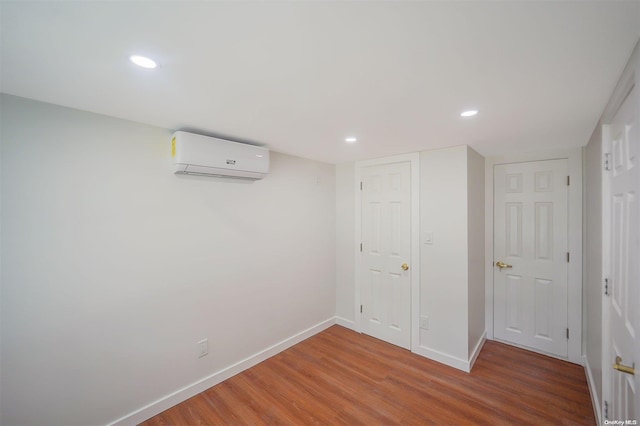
x: 386, y: 250
x: 623, y: 266
x: 530, y: 238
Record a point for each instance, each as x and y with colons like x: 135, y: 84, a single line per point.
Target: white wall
x: 113, y: 267
x: 476, y: 255
x: 345, y: 240
x: 444, y: 274
x: 592, y: 310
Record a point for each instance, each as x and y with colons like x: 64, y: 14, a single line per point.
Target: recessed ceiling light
x: 259, y: 155
x: 469, y: 113
x: 143, y: 61
x: 351, y: 140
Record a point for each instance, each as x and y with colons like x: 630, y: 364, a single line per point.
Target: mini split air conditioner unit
x: 206, y: 156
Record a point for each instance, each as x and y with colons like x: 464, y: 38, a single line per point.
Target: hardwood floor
x: 343, y: 377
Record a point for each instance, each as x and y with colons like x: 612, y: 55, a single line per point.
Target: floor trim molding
x: 443, y: 358
x: 477, y: 350
x: 595, y: 400
x: 351, y: 325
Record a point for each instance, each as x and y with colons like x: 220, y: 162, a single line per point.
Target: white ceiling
x: 299, y: 77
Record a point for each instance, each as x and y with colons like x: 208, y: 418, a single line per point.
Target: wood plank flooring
x: 339, y: 377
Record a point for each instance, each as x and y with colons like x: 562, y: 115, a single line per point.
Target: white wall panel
x: 345, y: 237
x: 476, y: 257
x: 444, y: 277
x: 592, y: 312
x: 114, y: 267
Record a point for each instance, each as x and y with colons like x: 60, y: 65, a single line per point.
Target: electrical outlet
x: 424, y: 323
x: 203, y: 347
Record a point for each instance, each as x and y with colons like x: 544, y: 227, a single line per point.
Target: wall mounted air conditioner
x: 206, y: 156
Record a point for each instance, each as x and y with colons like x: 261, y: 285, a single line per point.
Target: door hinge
x: 568, y: 180
x: 360, y: 308
x: 568, y: 257
x: 606, y: 410
x: 360, y: 186
x: 360, y: 247
x: 567, y: 333
x: 607, y: 161
x: 606, y: 286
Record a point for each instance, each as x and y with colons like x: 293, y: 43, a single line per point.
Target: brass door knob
x: 500, y: 264
x: 404, y: 267
x: 624, y: 368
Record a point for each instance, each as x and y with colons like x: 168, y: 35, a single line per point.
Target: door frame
x: 414, y: 160
x: 574, y: 279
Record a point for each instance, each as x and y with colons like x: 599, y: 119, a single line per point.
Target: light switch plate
x: 428, y: 237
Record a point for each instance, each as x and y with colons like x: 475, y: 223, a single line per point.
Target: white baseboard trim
x: 351, y: 325
x: 443, y: 358
x: 193, y: 389
x: 453, y: 361
x: 595, y: 398
x: 477, y: 349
